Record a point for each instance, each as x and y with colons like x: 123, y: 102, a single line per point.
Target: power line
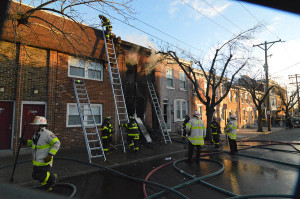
x: 222, y: 15
x: 163, y: 32
x: 206, y: 17
x: 287, y: 67
x: 142, y: 31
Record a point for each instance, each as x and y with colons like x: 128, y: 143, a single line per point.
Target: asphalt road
x: 241, y: 176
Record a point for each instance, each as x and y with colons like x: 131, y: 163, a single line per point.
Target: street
x: 241, y: 176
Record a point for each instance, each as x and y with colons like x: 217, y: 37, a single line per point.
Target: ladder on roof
x: 87, y: 120
x: 116, y: 83
x: 159, y: 115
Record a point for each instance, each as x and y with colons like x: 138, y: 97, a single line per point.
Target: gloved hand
x: 48, y: 158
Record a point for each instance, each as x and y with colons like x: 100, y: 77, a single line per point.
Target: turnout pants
x: 42, y: 174
x: 233, y: 146
x: 133, y: 142
x: 216, y: 139
x: 191, y: 150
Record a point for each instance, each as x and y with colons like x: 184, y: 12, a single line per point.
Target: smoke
x: 152, y: 62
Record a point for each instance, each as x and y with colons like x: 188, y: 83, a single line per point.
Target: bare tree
x: 227, y: 61
x: 25, y: 23
x: 288, y: 102
x: 255, y: 88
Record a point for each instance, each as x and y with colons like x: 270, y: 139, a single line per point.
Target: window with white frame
x: 170, y: 77
x: 85, y: 69
x: 182, y: 80
x: 204, y: 85
x: 181, y: 110
x: 230, y: 96
x: 73, y: 119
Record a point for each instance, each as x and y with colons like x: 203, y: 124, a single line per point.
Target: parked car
x: 296, y: 122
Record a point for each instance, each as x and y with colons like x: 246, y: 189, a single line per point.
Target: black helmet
x: 107, y: 118
x: 187, y: 117
x: 131, y: 118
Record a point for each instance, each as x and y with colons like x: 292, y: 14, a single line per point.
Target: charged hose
x: 200, y: 179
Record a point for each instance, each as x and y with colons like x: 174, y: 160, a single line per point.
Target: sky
x: 198, y: 25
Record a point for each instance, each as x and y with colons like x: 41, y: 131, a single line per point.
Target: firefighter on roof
x: 44, y: 146
x: 107, y: 25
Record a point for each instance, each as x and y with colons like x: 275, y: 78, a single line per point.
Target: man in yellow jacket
x: 196, y: 132
x: 231, y: 130
x: 44, y: 146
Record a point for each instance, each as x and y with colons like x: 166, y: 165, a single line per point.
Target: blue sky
x: 201, y: 24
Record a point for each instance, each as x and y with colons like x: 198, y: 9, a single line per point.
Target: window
x: 181, y: 110
x: 73, y: 119
x: 221, y: 112
x: 230, y: 96
x: 85, y: 69
x: 236, y: 97
x: 182, y: 80
x: 170, y: 78
x: 204, y: 85
x: 200, y: 109
x: 244, y: 114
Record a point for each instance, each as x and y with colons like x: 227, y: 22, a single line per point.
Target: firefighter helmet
x: 107, y: 118
x: 39, y: 120
x: 187, y: 117
x: 131, y: 118
x: 196, y: 114
x: 233, y: 116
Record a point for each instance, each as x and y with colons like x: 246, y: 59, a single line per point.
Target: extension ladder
x: 87, y: 119
x: 116, y: 83
x: 159, y: 115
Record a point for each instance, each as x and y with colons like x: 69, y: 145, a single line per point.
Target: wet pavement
x: 241, y: 176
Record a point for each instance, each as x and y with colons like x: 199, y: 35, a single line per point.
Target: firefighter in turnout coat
x: 215, y: 131
x: 196, y: 132
x: 133, y: 135
x: 106, y: 136
x: 231, y: 130
x: 44, y: 146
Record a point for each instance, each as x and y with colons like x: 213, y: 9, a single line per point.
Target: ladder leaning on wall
x: 159, y: 115
x: 116, y: 83
x: 87, y: 120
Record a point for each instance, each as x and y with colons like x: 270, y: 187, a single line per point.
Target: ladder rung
x: 95, y: 148
x: 92, y: 133
x: 96, y: 156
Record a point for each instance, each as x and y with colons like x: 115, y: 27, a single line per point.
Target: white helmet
x: 39, y: 120
x: 233, y: 116
x: 196, y: 114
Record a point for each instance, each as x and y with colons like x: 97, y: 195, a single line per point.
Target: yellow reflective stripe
x: 214, y: 133
x: 200, y: 127
x: 133, y: 128
x: 46, y: 179
x: 196, y: 138
x: 104, y: 128
x: 131, y: 144
x: 53, y: 151
x: 41, y: 147
x: 104, y: 137
x: 233, y: 127
x: 36, y: 163
x: 189, y: 125
x: 130, y: 134
x: 53, y: 141
x: 29, y: 143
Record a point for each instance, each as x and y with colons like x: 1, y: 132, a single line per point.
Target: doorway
x: 6, y: 124
x: 167, y: 113
x: 29, y: 111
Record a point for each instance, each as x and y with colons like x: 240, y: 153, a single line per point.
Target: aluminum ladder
x: 159, y: 115
x: 87, y: 120
x: 116, y: 84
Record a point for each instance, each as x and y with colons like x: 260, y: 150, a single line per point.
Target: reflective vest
x: 215, y: 128
x: 43, y: 143
x: 106, y: 130
x: 197, y: 131
x: 132, y: 128
x: 231, y: 129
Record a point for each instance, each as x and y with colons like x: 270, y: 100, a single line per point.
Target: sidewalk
x: 66, y: 169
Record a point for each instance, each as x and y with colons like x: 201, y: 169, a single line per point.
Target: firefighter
x: 187, y: 119
x: 106, y: 136
x: 108, y: 27
x: 196, y: 132
x: 133, y: 135
x: 215, y: 131
x: 231, y: 130
x: 44, y: 146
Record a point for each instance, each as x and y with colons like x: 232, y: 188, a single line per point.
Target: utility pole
x: 266, y: 48
x: 297, y: 86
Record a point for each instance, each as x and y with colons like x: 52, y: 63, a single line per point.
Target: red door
x: 6, y: 118
x: 29, y: 112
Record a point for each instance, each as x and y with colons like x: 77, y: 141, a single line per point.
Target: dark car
x: 296, y: 122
